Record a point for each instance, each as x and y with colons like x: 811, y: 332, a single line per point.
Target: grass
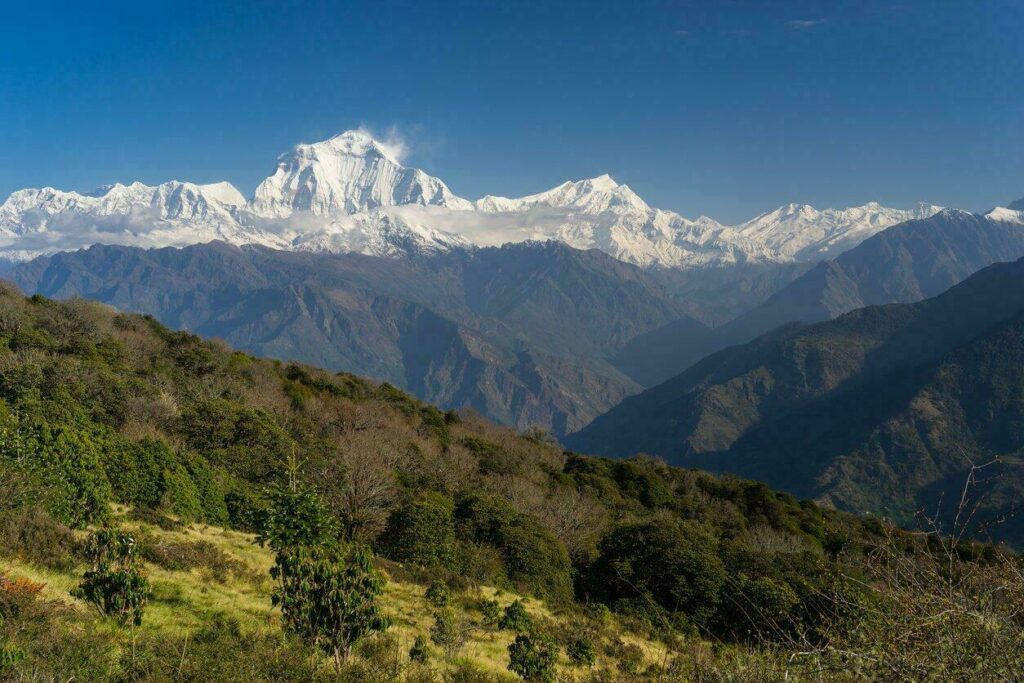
x: 186, y: 600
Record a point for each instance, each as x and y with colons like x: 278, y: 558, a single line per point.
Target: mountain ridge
x: 350, y: 193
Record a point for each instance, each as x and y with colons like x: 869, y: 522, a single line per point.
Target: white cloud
x: 803, y: 24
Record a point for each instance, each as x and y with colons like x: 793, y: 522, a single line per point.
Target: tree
x: 114, y: 584
x: 515, y: 618
x: 422, y: 532
x: 328, y: 597
x: 296, y: 517
x: 581, y: 652
x: 533, y: 658
x: 449, y: 631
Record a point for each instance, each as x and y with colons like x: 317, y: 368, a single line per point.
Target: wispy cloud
x: 681, y: 33
x: 394, y: 141
x: 804, y: 24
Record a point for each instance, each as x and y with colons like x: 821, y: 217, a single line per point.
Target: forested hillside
x: 885, y: 409
x: 114, y: 421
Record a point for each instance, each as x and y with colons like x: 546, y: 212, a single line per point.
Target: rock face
x: 877, y: 409
x: 351, y: 194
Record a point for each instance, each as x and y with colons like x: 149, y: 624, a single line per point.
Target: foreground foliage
x: 609, y: 570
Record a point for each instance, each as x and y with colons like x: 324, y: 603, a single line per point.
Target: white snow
x: 351, y: 193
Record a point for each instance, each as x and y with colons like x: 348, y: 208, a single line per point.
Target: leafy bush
x: 422, y: 532
x: 438, y: 594
x: 533, y: 658
x: 515, y: 618
x: 328, y: 597
x: 533, y: 558
x: 114, y: 585
x: 581, y: 652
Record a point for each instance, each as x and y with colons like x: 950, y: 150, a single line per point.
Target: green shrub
x: 328, y: 597
x: 515, y: 618
x: 438, y: 594
x: 449, y: 631
x: 581, y: 652
x: 533, y: 658
x: 533, y: 559
x: 422, y: 532
x: 666, y: 565
x: 418, y: 652
x: 114, y: 585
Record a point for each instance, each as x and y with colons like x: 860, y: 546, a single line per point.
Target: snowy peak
x: 346, y: 174
x: 803, y: 233
x: 592, y: 195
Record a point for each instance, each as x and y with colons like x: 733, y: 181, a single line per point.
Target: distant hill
x: 906, y: 263
x: 519, y: 333
x: 882, y: 409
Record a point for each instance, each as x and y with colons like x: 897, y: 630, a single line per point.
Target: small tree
x: 449, y: 632
x: 581, y: 652
x: 438, y: 594
x: 533, y: 658
x: 418, y: 652
x: 296, y: 517
x: 114, y: 585
x: 329, y: 597
x: 515, y: 618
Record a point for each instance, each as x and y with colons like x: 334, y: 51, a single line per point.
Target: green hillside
x: 629, y: 570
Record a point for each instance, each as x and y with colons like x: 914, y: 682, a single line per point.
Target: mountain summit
x: 351, y: 193
x: 346, y: 174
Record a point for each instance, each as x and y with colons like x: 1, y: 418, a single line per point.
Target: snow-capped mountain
x: 347, y: 174
x: 802, y: 233
x: 351, y: 193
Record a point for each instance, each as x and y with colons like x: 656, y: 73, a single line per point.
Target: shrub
x: 581, y: 652
x: 449, y: 631
x: 418, y: 652
x: 491, y: 611
x: 422, y: 532
x: 664, y: 564
x: 328, y: 597
x: 114, y: 585
x: 438, y: 594
x: 296, y: 518
x: 515, y: 618
x: 533, y: 658
x: 533, y: 559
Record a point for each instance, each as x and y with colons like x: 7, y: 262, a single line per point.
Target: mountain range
x: 520, y: 333
x: 351, y: 194
x: 906, y: 263
x: 882, y: 409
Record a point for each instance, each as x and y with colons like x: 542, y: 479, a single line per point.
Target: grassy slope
x: 184, y: 601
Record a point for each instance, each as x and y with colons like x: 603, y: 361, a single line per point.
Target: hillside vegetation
x: 884, y: 409
x: 631, y: 570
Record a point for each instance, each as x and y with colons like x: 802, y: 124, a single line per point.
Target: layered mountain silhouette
x: 886, y: 408
x: 520, y: 333
x: 906, y: 263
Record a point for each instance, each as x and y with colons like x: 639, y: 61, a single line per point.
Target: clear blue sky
x: 719, y: 107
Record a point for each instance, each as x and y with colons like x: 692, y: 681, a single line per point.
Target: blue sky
x: 724, y: 108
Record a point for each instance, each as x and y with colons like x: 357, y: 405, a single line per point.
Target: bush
x: 665, y: 564
x: 449, y: 631
x: 515, y: 618
x: 438, y: 594
x: 491, y: 611
x: 422, y: 532
x: 581, y: 652
x: 418, y: 652
x: 114, y: 585
x: 328, y: 597
x: 533, y: 658
x: 533, y: 559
